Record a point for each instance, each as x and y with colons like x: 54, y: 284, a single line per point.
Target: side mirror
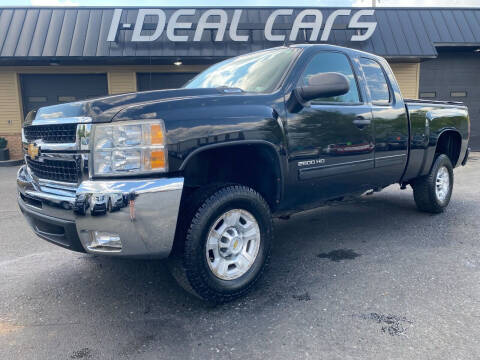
x: 319, y: 86
x: 323, y: 85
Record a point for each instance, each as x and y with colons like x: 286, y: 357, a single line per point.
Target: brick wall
x: 14, y: 145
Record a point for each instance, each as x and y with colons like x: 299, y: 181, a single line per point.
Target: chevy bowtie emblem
x: 33, y: 151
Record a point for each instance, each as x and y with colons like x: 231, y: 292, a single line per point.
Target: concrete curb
x: 11, y: 163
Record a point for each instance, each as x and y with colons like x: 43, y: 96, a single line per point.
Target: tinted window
x: 332, y: 62
x: 256, y: 72
x: 376, y: 82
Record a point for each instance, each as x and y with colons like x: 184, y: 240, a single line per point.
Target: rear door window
x: 376, y: 82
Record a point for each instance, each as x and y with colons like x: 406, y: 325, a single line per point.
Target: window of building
x: 458, y: 93
x: 332, y: 62
x: 66, y: 98
x: 428, y: 94
x: 37, y: 99
x: 376, y: 81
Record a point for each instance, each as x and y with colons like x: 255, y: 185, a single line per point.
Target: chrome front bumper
x: 142, y: 212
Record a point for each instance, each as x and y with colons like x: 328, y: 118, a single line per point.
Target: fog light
x: 104, y: 241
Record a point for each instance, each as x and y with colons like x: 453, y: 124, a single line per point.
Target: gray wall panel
x: 473, y: 24
x: 40, y: 34
x: 431, y: 29
x: 421, y: 32
x: 26, y: 35
x: 93, y: 31
x: 387, y: 32
x: 5, y: 19
x: 66, y: 34
x: 398, y: 35
x: 83, y: 32
x: 114, y: 48
x: 443, y: 31
x: 130, y: 47
x: 103, y: 47
x: 409, y: 33
x: 462, y: 24
x: 79, y: 33
x: 378, y: 43
x: 453, y: 28
x: 13, y: 34
x: 53, y: 34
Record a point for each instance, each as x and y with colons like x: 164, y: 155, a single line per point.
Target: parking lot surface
x: 372, y: 279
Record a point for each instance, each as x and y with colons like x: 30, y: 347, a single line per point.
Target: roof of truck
x: 332, y: 47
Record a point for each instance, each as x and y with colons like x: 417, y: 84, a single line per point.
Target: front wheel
x: 226, y: 245
x: 432, y: 192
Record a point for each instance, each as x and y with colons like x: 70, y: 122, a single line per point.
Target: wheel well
x: 253, y: 165
x: 449, y: 143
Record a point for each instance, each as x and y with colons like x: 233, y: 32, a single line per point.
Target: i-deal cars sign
x: 217, y: 19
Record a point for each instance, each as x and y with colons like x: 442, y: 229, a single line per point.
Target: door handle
x: 361, y: 122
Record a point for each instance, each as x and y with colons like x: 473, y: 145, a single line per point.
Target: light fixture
x: 476, y: 50
x: 177, y: 63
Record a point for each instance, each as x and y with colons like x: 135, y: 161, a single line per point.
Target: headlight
x: 129, y: 147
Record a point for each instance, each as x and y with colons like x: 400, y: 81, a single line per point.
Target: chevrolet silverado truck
x: 199, y: 172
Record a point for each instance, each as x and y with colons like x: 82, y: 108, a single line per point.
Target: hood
x: 104, y: 109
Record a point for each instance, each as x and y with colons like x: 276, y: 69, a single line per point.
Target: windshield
x: 258, y: 72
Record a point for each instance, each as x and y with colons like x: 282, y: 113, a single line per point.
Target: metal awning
x: 37, y: 34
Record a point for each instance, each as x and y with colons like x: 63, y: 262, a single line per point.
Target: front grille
x: 60, y: 133
x: 57, y: 170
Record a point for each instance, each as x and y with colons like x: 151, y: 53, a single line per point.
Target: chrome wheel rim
x: 442, y: 183
x: 232, y: 244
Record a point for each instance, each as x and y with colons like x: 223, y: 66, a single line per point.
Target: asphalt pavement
x: 372, y: 279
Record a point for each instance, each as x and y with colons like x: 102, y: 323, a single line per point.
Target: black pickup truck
x: 196, y: 174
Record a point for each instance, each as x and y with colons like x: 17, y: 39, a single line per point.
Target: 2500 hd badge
x: 311, y: 162
x: 196, y: 174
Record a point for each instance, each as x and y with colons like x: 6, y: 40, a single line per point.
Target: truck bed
x: 428, y: 120
x: 436, y: 102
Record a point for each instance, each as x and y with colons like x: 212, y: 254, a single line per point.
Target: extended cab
x: 196, y: 174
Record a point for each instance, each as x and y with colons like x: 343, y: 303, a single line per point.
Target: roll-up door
x: 158, y: 81
x: 48, y: 89
x: 455, y: 76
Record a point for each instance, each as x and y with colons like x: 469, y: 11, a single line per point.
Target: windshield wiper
x: 228, y: 89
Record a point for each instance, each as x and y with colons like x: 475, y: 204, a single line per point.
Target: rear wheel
x: 226, y: 245
x: 432, y: 192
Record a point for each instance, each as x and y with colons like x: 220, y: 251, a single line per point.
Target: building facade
x: 53, y: 55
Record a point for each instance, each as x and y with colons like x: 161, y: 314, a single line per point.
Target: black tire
x: 424, y: 192
x: 190, y: 267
